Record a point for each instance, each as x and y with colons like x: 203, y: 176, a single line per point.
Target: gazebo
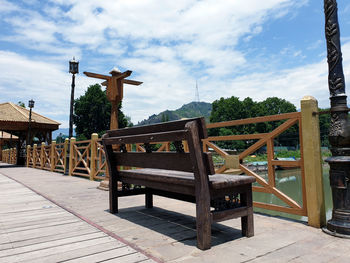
x: 14, y: 119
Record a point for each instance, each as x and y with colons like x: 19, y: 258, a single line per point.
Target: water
x: 289, y: 182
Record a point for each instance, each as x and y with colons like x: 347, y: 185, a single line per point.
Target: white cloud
x: 168, y: 45
x: 45, y: 82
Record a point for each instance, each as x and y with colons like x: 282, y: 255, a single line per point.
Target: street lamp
x: 74, y: 69
x: 339, y: 134
x: 31, y: 106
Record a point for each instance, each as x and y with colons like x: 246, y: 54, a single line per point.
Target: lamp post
x: 31, y: 106
x: 339, y: 134
x: 74, y: 69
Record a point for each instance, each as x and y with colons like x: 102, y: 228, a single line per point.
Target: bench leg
x: 203, y: 224
x: 247, y: 221
x: 149, y: 199
x: 113, y: 196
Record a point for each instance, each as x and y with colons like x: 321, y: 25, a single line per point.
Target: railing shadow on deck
x: 5, y: 165
x: 177, y: 226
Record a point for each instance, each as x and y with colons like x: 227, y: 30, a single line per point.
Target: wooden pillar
x: 94, y: 138
x: 71, y: 156
x: 28, y: 155
x: 114, y: 115
x: 42, y: 155
x: 65, y: 150
x: 312, y: 162
x: 1, y: 142
x: 53, y: 156
x: 35, y: 150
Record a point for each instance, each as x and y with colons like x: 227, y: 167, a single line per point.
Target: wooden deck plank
x: 54, y: 250
x: 18, y: 209
x: 76, y: 253
x: 33, y: 229
x: 52, y: 230
x: 102, y: 256
x: 44, y: 224
x: 32, y: 241
x: 56, y: 243
x: 46, y: 210
x: 130, y: 259
x: 35, y: 220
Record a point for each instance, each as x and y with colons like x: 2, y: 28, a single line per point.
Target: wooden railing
x: 9, y: 156
x: 265, y: 186
x: 85, y: 158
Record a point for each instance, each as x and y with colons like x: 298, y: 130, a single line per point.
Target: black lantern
x: 31, y: 106
x: 73, y: 66
x: 74, y: 69
x: 31, y: 103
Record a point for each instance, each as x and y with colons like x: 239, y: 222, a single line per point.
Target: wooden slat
x: 270, y: 156
x: 259, y: 179
x: 278, y: 208
x: 302, y: 170
x: 216, y: 148
x: 261, y: 189
x: 237, y: 137
x: 286, y: 125
x: 178, y: 135
x: 81, y: 174
x: 221, y: 169
x: 218, y: 216
x: 254, y: 120
x: 159, y: 127
x: 160, y: 160
x: 296, y: 163
x: 85, y: 141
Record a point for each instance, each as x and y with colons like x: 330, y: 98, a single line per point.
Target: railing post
x: 53, y: 156
x: 42, y: 155
x: 71, y: 156
x: 65, y: 149
x: 94, y: 138
x: 312, y: 162
x: 28, y: 155
x: 35, y: 150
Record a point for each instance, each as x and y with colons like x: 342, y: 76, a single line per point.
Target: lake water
x: 289, y: 182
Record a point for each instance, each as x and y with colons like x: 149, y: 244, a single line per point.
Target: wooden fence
x: 9, y: 156
x: 87, y: 159
x: 265, y: 186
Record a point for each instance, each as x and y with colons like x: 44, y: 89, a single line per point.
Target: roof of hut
x: 15, y: 117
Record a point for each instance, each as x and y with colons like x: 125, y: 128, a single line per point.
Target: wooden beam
x: 132, y: 82
x: 255, y: 120
x: 97, y: 76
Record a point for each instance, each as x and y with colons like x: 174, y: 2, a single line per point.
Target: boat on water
x: 285, y: 159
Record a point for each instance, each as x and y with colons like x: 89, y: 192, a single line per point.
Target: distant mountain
x: 64, y: 131
x: 190, y: 110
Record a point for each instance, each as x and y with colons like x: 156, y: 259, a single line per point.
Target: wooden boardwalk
x: 33, y: 229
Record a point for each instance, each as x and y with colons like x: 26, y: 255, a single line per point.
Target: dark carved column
x: 339, y: 135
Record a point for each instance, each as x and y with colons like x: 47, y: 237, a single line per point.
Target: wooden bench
x: 187, y: 176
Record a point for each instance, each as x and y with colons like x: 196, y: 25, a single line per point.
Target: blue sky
x: 243, y: 48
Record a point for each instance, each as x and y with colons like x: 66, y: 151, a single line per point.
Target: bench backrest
x: 190, y: 130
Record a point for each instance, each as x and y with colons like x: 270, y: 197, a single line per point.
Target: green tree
x: 234, y: 109
x: 22, y: 104
x: 325, y: 122
x: 92, y: 113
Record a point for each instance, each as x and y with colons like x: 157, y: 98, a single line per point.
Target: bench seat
x: 216, y: 181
